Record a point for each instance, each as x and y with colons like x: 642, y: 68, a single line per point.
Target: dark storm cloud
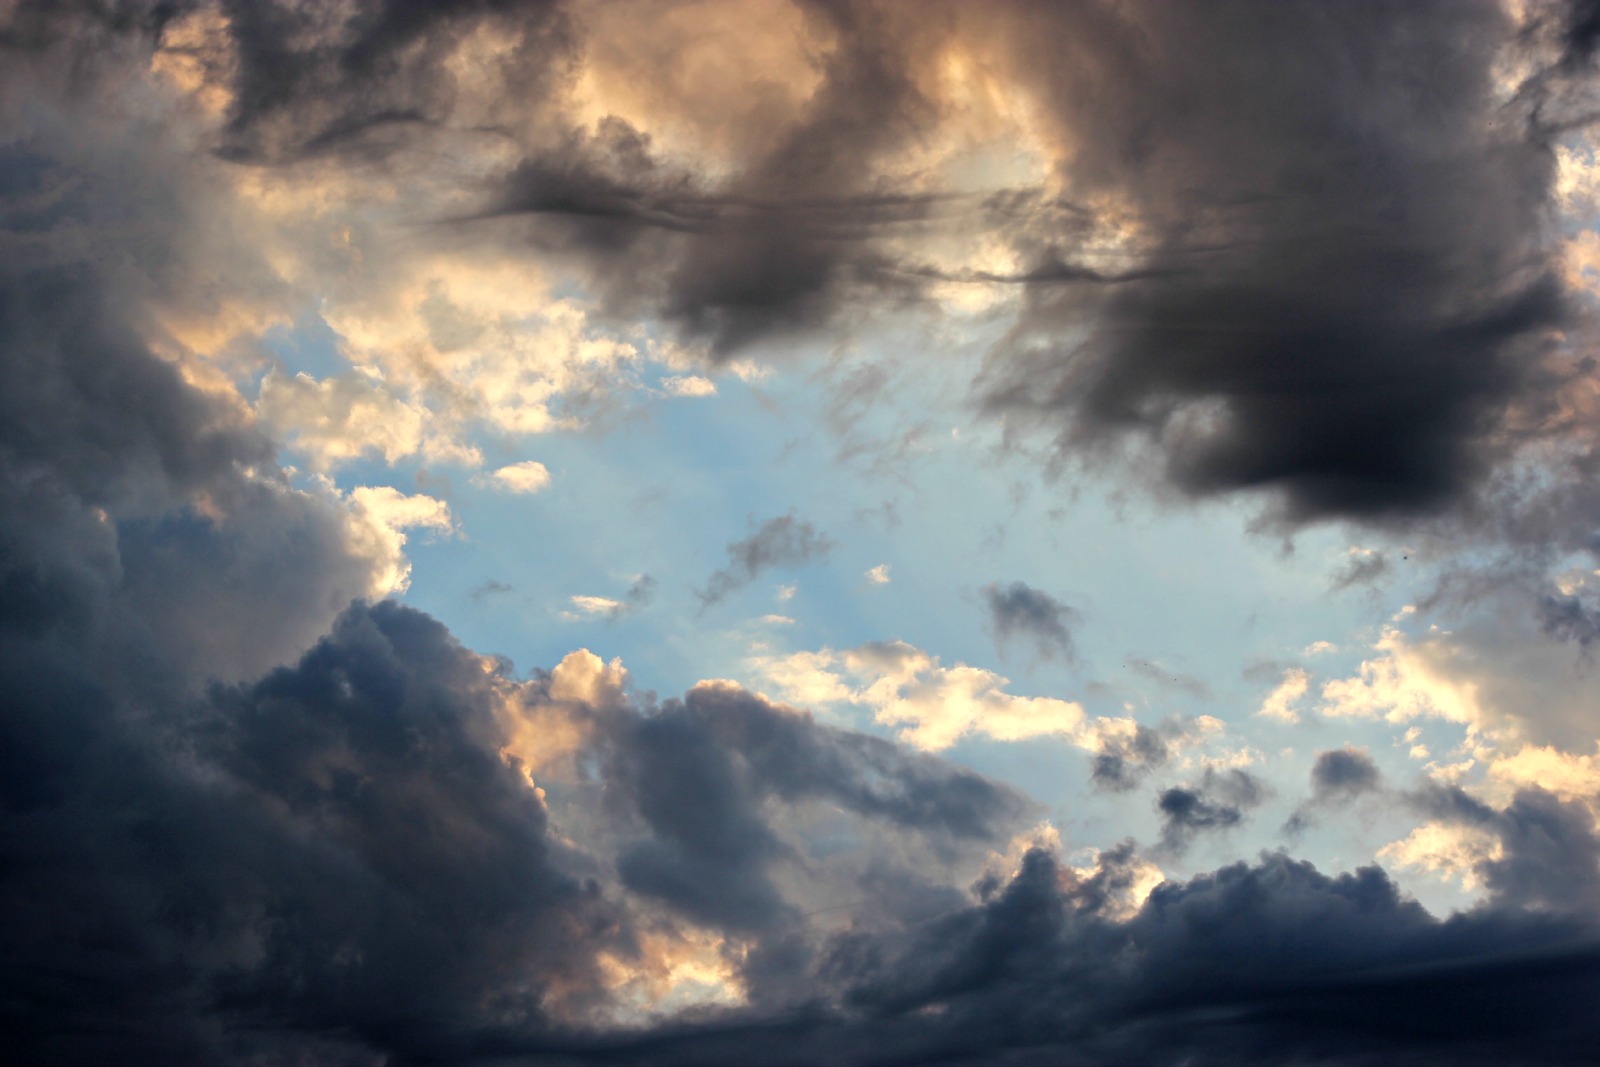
x: 785, y: 541
x: 1272, y: 963
x: 1019, y: 611
x: 1359, y: 277
x: 1219, y: 802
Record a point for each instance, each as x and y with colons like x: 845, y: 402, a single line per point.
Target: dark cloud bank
x: 241, y: 822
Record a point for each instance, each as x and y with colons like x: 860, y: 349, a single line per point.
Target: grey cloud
x: 1569, y: 618
x: 309, y: 82
x: 639, y: 595
x: 1020, y: 612
x: 1125, y: 762
x: 1272, y: 963
x: 1362, y: 569
x: 785, y: 541
x: 699, y: 771
x: 1219, y: 802
x: 1343, y: 773
x: 492, y: 587
x: 1329, y: 329
x: 1549, y: 851
x: 794, y: 236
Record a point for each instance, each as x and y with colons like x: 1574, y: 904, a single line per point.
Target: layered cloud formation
x: 259, y: 256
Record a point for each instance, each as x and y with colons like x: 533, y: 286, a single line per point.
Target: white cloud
x: 596, y: 605
x: 786, y: 592
x: 689, y: 385
x: 1408, y: 679
x: 932, y: 706
x: 879, y: 575
x: 382, y: 512
x: 1565, y: 774
x: 529, y: 476
x: 1280, y: 702
x: 1448, y: 850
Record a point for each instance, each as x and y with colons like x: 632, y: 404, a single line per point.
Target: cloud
x: 1282, y: 345
x: 1364, y: 566
x: 639, y: 594
x: 1343, y: 773
x: 689, y: 385
x: 1018, y: 611
x: 491, y: 587
x: 1127, y: 760
x: 785, y: 541
x: 933, y: 706
x: 879, y: 575
x: 529, y: 476
x: 1218, y: 802
x: 1280, y: 702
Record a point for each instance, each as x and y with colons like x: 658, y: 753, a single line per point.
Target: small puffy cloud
x: 879, y: 575
x: 785, y: 593
x: 529, y: 476
x: 596, y: 605
x: 689, y: 385
x: 1280, y: 702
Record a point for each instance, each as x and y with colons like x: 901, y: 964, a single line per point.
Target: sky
x: 689, y: 532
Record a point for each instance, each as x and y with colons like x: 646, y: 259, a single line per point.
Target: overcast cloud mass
x: 502, y: 508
